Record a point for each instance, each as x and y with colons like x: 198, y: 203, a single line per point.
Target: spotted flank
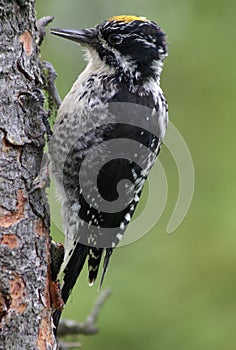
x: 127, y: 19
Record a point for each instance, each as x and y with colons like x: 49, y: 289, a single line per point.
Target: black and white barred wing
x: 103, y: 176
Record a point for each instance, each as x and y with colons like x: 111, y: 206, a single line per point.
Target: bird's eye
x: 115, y: 39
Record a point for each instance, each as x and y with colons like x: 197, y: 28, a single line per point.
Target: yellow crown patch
x: 128, y: 19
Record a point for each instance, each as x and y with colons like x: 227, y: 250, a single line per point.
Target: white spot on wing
x: 119, y: 236
x: 128, y: 217
x: 122, y: 226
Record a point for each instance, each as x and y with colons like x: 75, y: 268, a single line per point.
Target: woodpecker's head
x: 134, y: 46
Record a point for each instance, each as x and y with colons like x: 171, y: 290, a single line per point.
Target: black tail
x: 105, y: 264
x: 95, y: 255
x: 72, y: 271
x: 74, y: 267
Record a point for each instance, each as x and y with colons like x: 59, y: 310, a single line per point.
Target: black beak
x: 83, y: 37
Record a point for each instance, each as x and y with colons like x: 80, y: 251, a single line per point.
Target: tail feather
x: 74, y: 267
x: 95, y: 255
x: 105, y: 264
x: 72, y: 271
x: 56, y: 318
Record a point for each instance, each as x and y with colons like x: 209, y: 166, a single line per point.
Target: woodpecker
x: 107, y: 135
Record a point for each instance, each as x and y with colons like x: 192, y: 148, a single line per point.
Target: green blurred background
x: 173, y: 291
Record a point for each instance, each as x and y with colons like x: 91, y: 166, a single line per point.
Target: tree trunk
x: 25, y: 316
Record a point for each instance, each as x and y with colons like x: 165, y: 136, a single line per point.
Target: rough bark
x: 25, y: 316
